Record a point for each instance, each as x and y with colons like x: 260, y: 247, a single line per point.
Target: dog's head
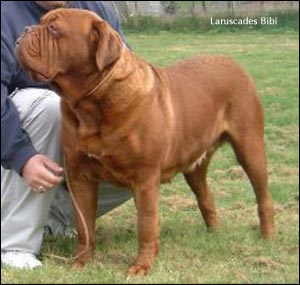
x: 68, y: 41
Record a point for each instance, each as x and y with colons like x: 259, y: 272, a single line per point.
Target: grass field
x: 188, y: 253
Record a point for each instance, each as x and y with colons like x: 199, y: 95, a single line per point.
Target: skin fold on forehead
x: 50, y: 5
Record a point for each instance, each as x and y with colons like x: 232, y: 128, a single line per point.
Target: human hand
x: 42, y: 174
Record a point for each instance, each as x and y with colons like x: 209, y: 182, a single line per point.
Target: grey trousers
x: 25, y: 213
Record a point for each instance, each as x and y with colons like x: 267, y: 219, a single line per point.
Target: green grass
x: 188, y: 253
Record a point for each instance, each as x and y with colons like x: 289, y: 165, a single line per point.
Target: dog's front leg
x: 83, y: 191
x: 146, y: 200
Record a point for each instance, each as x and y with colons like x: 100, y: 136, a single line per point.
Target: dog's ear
x: 108, y: 44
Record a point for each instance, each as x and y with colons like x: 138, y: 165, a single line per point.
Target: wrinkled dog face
x: 44, y: 50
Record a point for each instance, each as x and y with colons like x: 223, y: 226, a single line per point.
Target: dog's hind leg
x: 246, y: 135
x: 250, y: 153
x: 198, y: 183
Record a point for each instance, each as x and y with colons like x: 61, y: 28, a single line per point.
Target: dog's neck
x: 116, y: 95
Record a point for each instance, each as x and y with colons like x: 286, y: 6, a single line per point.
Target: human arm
x: 17, y: 151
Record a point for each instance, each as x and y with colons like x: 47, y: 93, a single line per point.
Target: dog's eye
x: 53, y: 29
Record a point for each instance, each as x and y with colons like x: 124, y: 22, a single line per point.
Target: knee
x: 51, y: 109
x: 46, y: 111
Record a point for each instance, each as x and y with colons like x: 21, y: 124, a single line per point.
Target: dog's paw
x: 139, y: 269
x: 83, y: 256
x: 78, y: 264
x: 269, y: 234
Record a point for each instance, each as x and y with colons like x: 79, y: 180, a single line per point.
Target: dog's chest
x: 116, y: 158
x: 111, y: 167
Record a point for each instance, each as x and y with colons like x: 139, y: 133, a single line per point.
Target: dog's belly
x: 183, y: 166
x: 196, y: 163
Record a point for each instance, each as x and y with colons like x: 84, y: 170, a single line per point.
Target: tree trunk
x: 204, y: 7
x: 192, y: 9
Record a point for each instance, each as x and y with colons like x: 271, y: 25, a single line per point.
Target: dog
x: 130, y: 123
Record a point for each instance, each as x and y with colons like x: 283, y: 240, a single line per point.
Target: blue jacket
x: 16, y: 147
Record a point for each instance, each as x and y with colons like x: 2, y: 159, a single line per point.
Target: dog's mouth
x: 43, y: 78
x: 38, y: 76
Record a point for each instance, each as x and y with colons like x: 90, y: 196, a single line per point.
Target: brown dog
x: 130, y: 123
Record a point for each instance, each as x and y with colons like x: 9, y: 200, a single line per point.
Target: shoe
x: 18, y: 259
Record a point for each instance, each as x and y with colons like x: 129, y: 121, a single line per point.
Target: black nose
x: 28, y: 29
x: 19, y: 39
